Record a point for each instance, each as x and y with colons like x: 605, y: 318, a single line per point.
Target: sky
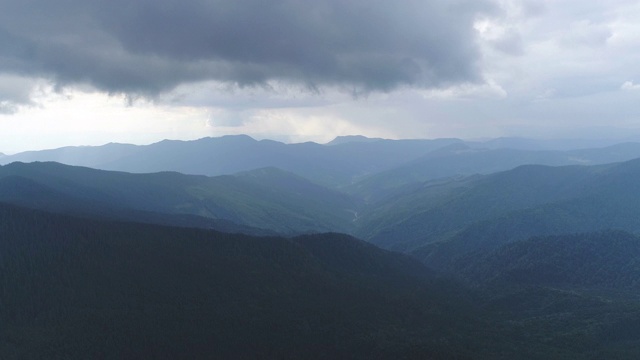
x: 90, y: 72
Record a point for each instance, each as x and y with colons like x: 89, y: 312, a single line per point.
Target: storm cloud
x: 151, y: 46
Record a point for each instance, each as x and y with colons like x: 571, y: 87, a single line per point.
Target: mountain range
x: 468, y: 250
x: 428, y: 219
x: 366, y: 166
x: 328, y: 165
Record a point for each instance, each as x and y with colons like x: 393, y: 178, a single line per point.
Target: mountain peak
x: 224, y: 138
x: 352, y: 138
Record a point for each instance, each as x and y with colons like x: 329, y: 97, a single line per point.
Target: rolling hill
x: 441, y: 221
x: 268, y: 199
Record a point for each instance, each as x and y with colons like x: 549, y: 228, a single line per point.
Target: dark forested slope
x: 75, y: 288
x: 579, y: 290
x: 605, y: 259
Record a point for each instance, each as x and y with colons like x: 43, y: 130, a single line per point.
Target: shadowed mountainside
x: 79, y: 288
x: 74, y: 288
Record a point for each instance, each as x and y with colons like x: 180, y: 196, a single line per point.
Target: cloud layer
x: 288, y: 69
x: 150, y: 46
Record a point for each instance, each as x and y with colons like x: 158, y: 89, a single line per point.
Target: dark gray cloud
x: 148, y: 46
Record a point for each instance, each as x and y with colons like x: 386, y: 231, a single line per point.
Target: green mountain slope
x: 270, y: 199
x: 608, y: 197
x: 436, y: 211
x: 32, y: 194
x: 440, y: 221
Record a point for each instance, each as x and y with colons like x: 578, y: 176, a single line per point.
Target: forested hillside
x: 75, y: 288
x: 439, y: 221
x: 78, y: 288
x: 580, y: 290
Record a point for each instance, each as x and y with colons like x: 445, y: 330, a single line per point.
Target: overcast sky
x: 88, y: 72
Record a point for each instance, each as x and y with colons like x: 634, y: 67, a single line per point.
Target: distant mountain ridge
x: 461, y: 159
x: 367, y: 167
x: 352, y: 138
x: 329, y: 165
